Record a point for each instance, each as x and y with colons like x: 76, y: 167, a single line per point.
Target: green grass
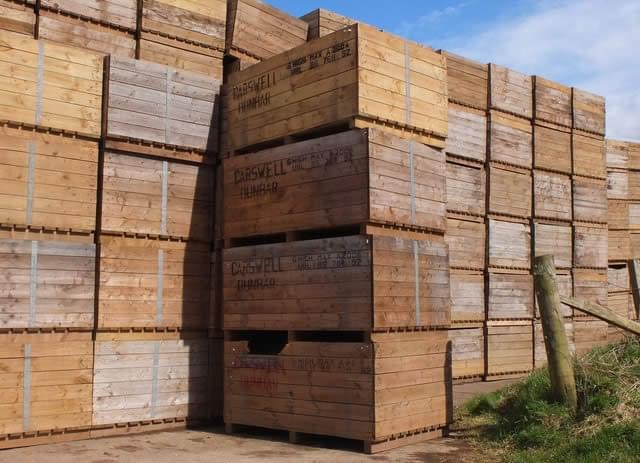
x: 522, y: 423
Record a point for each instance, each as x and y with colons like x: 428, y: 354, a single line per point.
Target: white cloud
x: 589, y: 44
x: 407, y: 28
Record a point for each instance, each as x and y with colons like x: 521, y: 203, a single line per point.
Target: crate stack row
x: 623, y: 169
x: 106, y: 210
x: 525, y: 177
x: 335, y: 269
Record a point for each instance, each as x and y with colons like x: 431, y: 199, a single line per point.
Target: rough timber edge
x: 161, y: 150
x: 71, y: 14
x: 49, y: 130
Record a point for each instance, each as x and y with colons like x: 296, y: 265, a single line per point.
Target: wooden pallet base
x: 160, y: 150
x: 504, y: 376
x: 369, y: 447
x: 467, y: 380
x: 123, y: 429
x: 29, y: 439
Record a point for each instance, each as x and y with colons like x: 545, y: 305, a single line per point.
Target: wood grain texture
x: 467, y: 133
x: 17, y: 17
x: 198, y: 21
x: 590, y: 247
x: 324, y: 22
x: 589, y: 155
x: 367, y: 391
x: 342, y: 284
x: 511, y: 140
x: 564, y: 281
x: 552, y: 148
x: 554, y: 239
x: 589, y: 112
x: 618, y: 278
x: 590, y: 285
x: 45, y: 382
x: 468, y: 81
x: 619, y: 215
x: 509, y: 244
x: 466, y: 188
x: 47, y: 180
x: 262, y: 30
x: 511, y: 91
x: 350, y: 178
x: 589, y: 200
x: 72, y: 31
x: 510, y: 191
x: 364, y: 77
x: 510, y: 296
x: 552, y: 101
x: 120, y: 13
x: 143, y: 380
x: 466, y: 242
x: 589, y: 335
x: 552, y: 196
x: 153, y: 284
x: 467, y: 296
x: 510, y: 349
x: 65, y: 95
x: 164, y: 105
x: 619, y: 245
x: 539, y: 348
x: 467, y: 352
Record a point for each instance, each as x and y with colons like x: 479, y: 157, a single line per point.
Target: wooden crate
x: 73, y: 31
x: 373, y: 391
x: 590, y: 247
x: 509, y: 348
x: 555, y: 239
x: 589, y: 113
x: 551, y: 148
x: 147, y: 378
x: 589, y: 334
x: 146, y: 196
x: 511, y: 91
x: 358, y: 76
x: 564, y: 281
x: 46, y: 384
x: 510, y: 191
x: 118, y: 13
x: 153, y: 284
x: 159, y: 104
x: 46, y: 284
x: 467, y: 352
x: 552, y: 102
x: 590, y: 200
x: 552, y: 196
x: 349, y: 178
x: 47, y: 180
x: 50, y: 85
x: 17, y: 17
x: 467, y: 244
x: 181, y: 55
x: 635, y: 245
x: 619, y: 245
x: 509, y: 245
x: 352, y: 283
x: 618, y: 278
x: 618, y: 184
x: 539, y: 347
x: 619, y: 154
x: 510, y: 296
x: 588, y: 155
x: 466, y: 188
x: 510, y: 140
x: 590, y: 285
x: 634, y: 216
x: 467, y: 297
x: 619, y: 215
x: 621, y: 302
x: 195, y: 21
x: 262, y: 31
x: 468, y: 81
x: 324, y: 22
x: 467, y: 133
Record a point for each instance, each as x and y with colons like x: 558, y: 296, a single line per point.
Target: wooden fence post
x: 634, y: 278
x: 559, y: 358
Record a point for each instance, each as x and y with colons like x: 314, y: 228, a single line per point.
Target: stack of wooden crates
x: 526, y: 175
x: 335, y: 269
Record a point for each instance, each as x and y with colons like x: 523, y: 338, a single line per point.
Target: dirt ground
x: 213, y: 446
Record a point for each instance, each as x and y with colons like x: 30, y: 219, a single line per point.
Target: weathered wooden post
x: 559, y: 359
x: 634, y: 278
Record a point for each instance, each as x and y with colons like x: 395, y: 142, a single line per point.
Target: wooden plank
x: 589, y: 200
x: 591, y: 285
x: 198, y: 21
x: 619, y: 245
x: 589, y: 335
x: 552, y: 148
x: 466, y: 188
x: 153, y: 284
x: 618, y: 277
x: 467, y: 133
x: 589, y: 155
x: 324, y: 22
x: 539, y: 348
x: 468, y: 81
x: 553, y: 102
x: 555, y: 239
x: 509, y: 245
x: 564, y: 282
x: 17, y: 17
x: 510, y: 191
x: 511, y: 140
x: 47, y: 180
x: 511, y: 91
x: 589, y: 113
x: 510, y: 296
x: 467, y: 349
x: 120, y: 13
x: 509, y: 349
x: 590, y: 247
x: 467, y: 296
x: 350, y: 178
x: 466, y: 242
x: 552, y: 197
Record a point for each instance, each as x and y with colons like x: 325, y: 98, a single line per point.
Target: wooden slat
x: 467, y: 349
x: 589, y: 113
x: 509, y: 349
x: 552, y: 102
x: 509, y: 244
x: 589, y: 200
x: 466, y: 242
x: 510, y: 296
x: 17, y: 17
x: 590, y: 285
x: 324, y: 22
x: 511, y: 91
x: 511, y: 140
x: 590, y: 246
x: 555, y: 239
x: 509, y: 191
x: 539, y: 348
x: 552, y: 196
x: 589, y: 155
x: 468, y: 81
x: 589, y: 335
x: 466, y: 188
x: 121, y: 13
x: 552, y: 148
x: 467, y: 133
x: 467, y: 296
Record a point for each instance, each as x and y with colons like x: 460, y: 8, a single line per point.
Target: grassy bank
x: 522, y: 424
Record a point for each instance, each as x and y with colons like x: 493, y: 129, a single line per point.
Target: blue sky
x: 590, y: 44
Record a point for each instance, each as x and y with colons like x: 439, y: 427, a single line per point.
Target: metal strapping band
x: 40, y: 83
x: 26, y: 388
x: 407, y: 83
x: 412, y: 169
x: 30, y: 181
x: 33, y: 284
x: 160, y: 295
x: 154, y: 380
x: 165, y: 197
x: 416, y: 259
